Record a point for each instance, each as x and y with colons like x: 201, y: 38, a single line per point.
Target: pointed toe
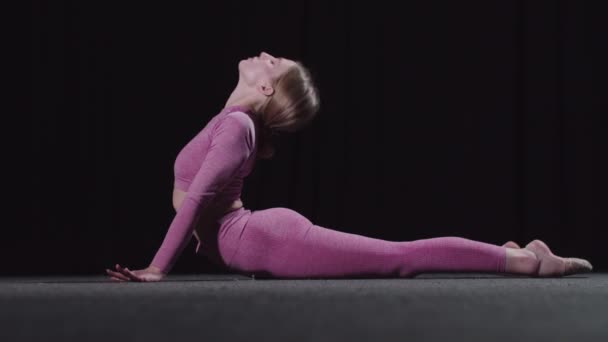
x: 577, y: 265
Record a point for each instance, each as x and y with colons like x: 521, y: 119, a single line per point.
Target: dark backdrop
x: 478, y: 119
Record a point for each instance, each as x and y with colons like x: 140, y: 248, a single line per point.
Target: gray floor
x: 216, y: 307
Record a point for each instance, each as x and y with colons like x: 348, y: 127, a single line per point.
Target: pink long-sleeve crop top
x: 211, y: 168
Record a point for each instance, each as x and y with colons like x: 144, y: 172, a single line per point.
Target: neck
x: 241, y: 96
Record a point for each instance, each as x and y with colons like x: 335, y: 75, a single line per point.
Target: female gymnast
x: 278, y: 95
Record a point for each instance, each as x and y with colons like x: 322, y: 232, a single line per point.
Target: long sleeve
x: 229, y: 149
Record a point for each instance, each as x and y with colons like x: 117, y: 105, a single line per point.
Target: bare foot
x: 521, y: 261
x: 552, y: 265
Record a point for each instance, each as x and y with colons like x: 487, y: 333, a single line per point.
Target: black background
x: 478, y: 119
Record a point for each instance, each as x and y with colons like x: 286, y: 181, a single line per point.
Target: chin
x: 241, y: 65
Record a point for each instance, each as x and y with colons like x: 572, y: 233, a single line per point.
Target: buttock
x: 278, y: 218
x: 269, y: 234
x: 248, y: 234
x: 262, y: 228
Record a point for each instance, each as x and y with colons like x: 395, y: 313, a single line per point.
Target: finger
x: 117, y: 274
x: 114, y: 273
x: 126, y: 272
x: 132, y: 275
x: 115, y: 279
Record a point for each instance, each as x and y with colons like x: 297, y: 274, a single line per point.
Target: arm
x: 229, y: 149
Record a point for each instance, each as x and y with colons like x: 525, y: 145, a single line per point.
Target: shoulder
x: 239, y: 124
x: 239, y: 119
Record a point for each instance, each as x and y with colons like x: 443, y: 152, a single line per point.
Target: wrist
x: 155, y: 269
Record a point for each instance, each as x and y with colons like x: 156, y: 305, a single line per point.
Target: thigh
x: 278, y: 222
x: 281, y: 242
x: 275, y: 227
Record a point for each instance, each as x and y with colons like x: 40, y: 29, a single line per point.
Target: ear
x: 265, y: 89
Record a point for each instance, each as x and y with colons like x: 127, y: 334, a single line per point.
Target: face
x: 261, y: 71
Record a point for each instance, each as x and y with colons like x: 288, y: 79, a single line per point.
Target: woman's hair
x: 293, y: 105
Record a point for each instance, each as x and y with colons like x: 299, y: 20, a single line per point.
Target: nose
x: 264, y: 54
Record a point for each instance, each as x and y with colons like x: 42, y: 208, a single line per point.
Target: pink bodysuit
x: 225, y: 148
x: 280, y: 242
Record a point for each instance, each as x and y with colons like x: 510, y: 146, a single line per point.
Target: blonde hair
x: 293, y: 105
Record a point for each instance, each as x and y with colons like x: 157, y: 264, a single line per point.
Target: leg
x: 280, y: 242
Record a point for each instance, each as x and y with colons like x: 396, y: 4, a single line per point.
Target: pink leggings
x: 281, y: 243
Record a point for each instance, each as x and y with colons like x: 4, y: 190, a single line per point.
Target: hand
x: 150, y: 273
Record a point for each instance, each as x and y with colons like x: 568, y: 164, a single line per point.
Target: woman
x: 278, y: 95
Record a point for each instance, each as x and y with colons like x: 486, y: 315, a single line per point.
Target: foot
x: 552, y: 265
x: 511, y: 244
